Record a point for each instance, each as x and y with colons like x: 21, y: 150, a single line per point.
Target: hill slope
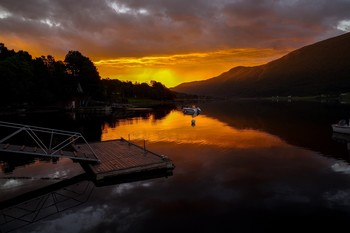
x: 320, y: 68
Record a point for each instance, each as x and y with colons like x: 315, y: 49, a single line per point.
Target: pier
x: 106, y: 159
x: 105, y: 163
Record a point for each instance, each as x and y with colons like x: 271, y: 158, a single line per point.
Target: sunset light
x: 168, y: 41
x: 176, y: 128
x: 160, y: 116
x: 172, y: 70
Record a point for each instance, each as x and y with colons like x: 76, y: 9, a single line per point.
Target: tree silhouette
x: 83, y: 70
x: 43, y: 81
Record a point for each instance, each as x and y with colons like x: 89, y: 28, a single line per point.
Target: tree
x: 160, y: 92
x: 17, y: 79
x: 83, y: 70
x: 44, y: 80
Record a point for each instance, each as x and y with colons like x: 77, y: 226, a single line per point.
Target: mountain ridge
x: 319, y: 68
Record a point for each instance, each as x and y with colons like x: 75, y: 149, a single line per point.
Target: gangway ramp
x: 40, y: 141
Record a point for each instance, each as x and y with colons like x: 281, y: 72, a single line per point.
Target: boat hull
x: 341, y: 129
x: 191, y: 111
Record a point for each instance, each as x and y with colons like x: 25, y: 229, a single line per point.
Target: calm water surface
x: 244, y: 167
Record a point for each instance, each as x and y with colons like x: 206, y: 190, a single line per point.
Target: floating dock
x: 115, y: 158
x: 121, y: 158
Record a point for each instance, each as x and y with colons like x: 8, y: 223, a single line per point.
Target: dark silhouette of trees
x: 17, y: 79
x: 44, y: 81
x: 118, y: 91
x: 83, y: 70
x: 159, y: 91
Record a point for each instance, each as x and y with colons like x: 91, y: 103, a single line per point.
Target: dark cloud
x: 109, y: 28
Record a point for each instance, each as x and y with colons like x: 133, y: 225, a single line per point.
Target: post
x: 51, y: 138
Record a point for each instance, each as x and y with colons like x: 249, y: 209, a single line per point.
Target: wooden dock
x: 115, y: 158
x: 121, y: 157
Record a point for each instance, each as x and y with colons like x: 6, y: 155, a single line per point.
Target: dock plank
x: 122, y: 157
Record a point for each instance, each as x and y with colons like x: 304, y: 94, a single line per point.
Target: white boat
x: 191, y: 110
x: 341, y: 127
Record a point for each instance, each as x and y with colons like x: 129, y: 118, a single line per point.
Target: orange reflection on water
x: 176, y: 128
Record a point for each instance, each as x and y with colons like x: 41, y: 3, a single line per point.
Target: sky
x: 170, y: 41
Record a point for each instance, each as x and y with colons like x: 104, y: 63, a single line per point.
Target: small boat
x: 341, y: 127
x: 191, y: 110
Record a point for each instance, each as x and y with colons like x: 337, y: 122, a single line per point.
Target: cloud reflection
x: 338, y: 198
x: 71, y: 222
x: 342, y: 167
x: 12, y: 183
x: 32, y: 176
x: 121, y: 189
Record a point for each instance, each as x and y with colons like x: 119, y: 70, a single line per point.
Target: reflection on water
x: 244, y: 167
x: 34, y: 175
x: 176, y: 128
x: 304, y: 124
x: 44, y: 205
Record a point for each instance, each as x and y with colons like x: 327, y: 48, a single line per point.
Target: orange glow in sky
x: 172, y: 70
x: 169, y: 41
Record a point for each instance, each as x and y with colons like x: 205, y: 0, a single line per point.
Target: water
x: 243, y: 167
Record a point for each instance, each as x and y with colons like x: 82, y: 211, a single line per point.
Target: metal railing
x: 38, y: 139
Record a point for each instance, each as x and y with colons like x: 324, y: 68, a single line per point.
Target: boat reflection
x: 302, y: 124
x: 340, y: 137
x: 238, y: 163
x: 343, y: 139
x: 227, y: 124
x: 175, y: 129
x: 193, y: 122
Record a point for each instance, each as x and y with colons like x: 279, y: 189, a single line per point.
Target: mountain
x: 320, y: 68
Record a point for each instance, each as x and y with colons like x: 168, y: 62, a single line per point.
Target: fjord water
x: 244, y: 167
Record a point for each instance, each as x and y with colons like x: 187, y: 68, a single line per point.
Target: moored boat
x: 341, y: 127
x: 191, y: 110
